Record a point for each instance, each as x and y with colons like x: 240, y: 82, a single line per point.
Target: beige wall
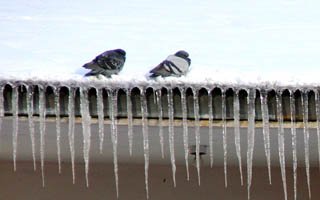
x: 26, y: 184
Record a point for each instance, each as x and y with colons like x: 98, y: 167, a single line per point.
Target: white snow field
x: 243, y: 40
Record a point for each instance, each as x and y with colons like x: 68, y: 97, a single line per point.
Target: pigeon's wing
x: 178, y: 66
x: 110, y: 61
x: 162, y: 69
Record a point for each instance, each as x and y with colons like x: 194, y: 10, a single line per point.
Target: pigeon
x: 175, y: 65
x: 108, y: 63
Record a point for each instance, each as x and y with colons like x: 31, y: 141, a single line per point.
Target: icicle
x: 318, y: 121
x: 160, y: 116
x: 185, y: 129
x: 31, y: 123
x: 197, y: 130
x: 251, y: 134
x: 86, y: 129
x: 1, y: 106
x: 144, y: 113
x: 210, y: 127
x: 71, y: 130
x: 236, y: 113
x: 15, y: 124
x: 100, y: 109
x: 42, y: 116
x: 130, y: 122
x: 281, y: 142
x: 171, y: 135
x: 306, y: 136
x: 266, y: 132
x: 224, y: 134
x: 58, y: 124
x: 113, y: 109
x: 294, y: 142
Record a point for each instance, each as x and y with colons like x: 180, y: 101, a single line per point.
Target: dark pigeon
x: 108, y: 63
x: 174, y: 65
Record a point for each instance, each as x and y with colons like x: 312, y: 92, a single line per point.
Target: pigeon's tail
x: 91, y: 74
x: 90, y: 65
x: 153, y: 75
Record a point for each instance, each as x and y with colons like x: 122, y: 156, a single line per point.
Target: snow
x: 230, y: 39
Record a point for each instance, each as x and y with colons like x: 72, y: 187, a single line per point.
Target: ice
x: 294, y: 142
x: 145, y: 132
x: 31, y: 123
x: 236, y: 116
x: 265, y: 125
x: 58, y: 124
x: 197, y: 129
x: 160, y: 116
x: 210, y: 112
x: 318, y: 121
x: 113, y: 109
x: 224, y: 134
x: 1, y: 106
x: 86, y: 129
x: 171, y: 135
x: 304, y: 104
x: 71, y: 130
x: 15, y: 110
x: 251, y: 134
x: 281, y: 142
x: 42, y: 116
x: 100, y: 109
x: 185, y: 129
x: 130, y: 123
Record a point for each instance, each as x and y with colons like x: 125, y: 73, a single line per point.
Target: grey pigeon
x: 174, y: 65
x: 108, y: 63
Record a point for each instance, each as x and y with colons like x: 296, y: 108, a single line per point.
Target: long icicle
x: 86, y: 129
x: 304, y: 102
x: 210, y: 112
x: 42, y: 115
x: 145, y: 132
x: 251, y: 134
x: 266, y: 130
x: 171, y: 135
x: 197, y: 130
x: 224, y: 134
x: 236, y: 114
x: 71, y: 130
x: 15, y: 123
x: 281, y: 143
x: 100, y: 109
x: 185, y: 129
x: 31, y: 124
x: 294, y: 142
x: 130, y: 121
x: 160, y: 118
x: 1, y: 106
x: 113, y: 112
x: 58, y: 125
x: 318, y: 122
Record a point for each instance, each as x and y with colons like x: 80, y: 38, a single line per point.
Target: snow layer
x: 229, y: 42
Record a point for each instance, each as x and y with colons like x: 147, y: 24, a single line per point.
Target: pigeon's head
x: 182, y: 54
x: 120, y: 51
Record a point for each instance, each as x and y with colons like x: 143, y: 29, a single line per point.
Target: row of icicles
x: 113, y: 108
